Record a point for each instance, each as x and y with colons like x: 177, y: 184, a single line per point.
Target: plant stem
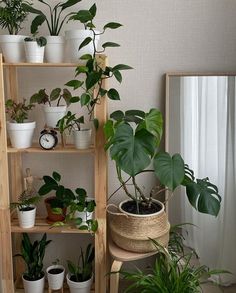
x: 136, y: 195
x: 123, y: 183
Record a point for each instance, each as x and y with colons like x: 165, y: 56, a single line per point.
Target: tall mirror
x: 201, y: 126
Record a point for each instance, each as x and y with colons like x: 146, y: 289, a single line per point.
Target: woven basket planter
x: 132, y: 232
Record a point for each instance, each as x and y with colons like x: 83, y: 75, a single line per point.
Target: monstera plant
x: 133, y: 138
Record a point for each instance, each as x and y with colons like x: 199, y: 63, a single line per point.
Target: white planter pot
x: 73, y: 40
x: 33, y: 52
x: 21, y: 134
x: 83, y: 138
x: 13, y: 48
x: 26, y: 218
x: 54, y: 50
x: 34, y: 286
x: 79, y: 287
x: 55, y: 281
x: 53, y: 114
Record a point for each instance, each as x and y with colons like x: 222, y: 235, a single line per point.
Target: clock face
x: 47, y: 141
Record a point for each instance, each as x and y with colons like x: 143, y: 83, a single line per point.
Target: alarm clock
x: 48, y: 139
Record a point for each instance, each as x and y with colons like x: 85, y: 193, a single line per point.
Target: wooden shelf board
x: 41, y: 226
x: 40, y: 64
x: 37, y: 149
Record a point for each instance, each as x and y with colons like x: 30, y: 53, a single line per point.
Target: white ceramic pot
x: 21, y: 134
x: 55, y: 280
x: 73, y: 40
x: 13, y: 48
x: 82, y: 138
x: 33, y: 52
x: 53, y: 114
x: 79, y: 287
x: 34, y: 286
x: 26, y: 218
x: 54, y: 51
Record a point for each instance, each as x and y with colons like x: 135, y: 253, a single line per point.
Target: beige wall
x: 158, y: 36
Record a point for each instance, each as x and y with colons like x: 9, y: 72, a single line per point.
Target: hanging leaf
x: 110, y: 44
x: 84, y: 99
x: 92, y: 79
x: 113, y: 94
x: 93, y: 10
x: 37, y: 21
x: 69, y: 3
x: 121, y: 67
x: 118, y: 75
x: 55, y: 94
x: 85, y: 42
x: 75, y: 84
x: 112, y: 25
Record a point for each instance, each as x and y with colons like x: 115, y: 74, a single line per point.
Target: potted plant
x: 55, y: 275
x: 80, y: 276
x: 133, y: 138
x: 34, y: 49
x: 33, y: 255
x: 95, y: 74
x: 55, y: 44
x: 19, y: 128
x: 52, y: 113
x: 56, y: 205
x: 26, y: 209
x: 82, y: 137
x: 12, y: 15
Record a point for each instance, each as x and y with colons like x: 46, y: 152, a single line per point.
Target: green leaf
x: 110, y: 44
x: 55, y: 94
x: 31, y: 9
x: 92, y: 79
x: 108, y: 129
x: 112, y: 25
x: 117, y: 115
x: 84, y: 99
x: 75, y: 84
x: 81, y: 69
x: 118, y: 75
x: 169, y: 170
x: 121, y: 67
x: 37, y: 21
x: 74, y: 99
x: 132, y: 151
x: 93, y: 10
x: 96, y: 123
x: 46, y: 188
x: 60, y: 191
x: 86, y: 57
x: 69, y: 3
x: 102, y: 92
x: 57, y: 211
x: 203, y: 196
x: 78, y: 221
x: 85, y: 42
x: 83, y: 16
x: 113, y: 94
x: 56, y: 176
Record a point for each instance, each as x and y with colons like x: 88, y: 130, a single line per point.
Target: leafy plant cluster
x: 18, y: 111
x: 95, y: 73
x: 69, y: 122
x: 83, y: 270
x: 133, y: 138
x: 33, y: 255
x: 26, y: 200
x: 57, y: 16
x: 12, y: 15
x: 41, y: 41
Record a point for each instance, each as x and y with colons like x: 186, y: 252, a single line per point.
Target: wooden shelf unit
x: 11, y: 159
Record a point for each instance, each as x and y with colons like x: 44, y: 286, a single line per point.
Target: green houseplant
x: 19, y: 128
x: 52, y: 112
x: 133, y: 138
x: 57, y: 18
x: 33, y: 255
x: 12, y: 15
x: 34, y: 49
x: 81, y: 275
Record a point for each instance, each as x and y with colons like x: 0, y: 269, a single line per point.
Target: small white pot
x: 33, y: 52
x: 79, y: 287
x: 54, y: 51
x: 26, y: 218
x: 21, y: 134
x: 55, y: 281
x: 13, y: 48
x: 53, y: 114
x: 82, y: 138
x: 34, y: 286
x: 73, y: 40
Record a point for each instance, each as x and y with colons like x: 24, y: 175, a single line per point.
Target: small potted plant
x: 12, y: 15
x: 80, y: 276
x: 55, y: 275
x: 82, y: 137
x: 33, y: 255
x: 133, y: 138
x: 26, y: 209
x: 56, y: 205
x: 55, y: 44
x: 52, y: 113
x: 34, y: 49
x: 19, y: 128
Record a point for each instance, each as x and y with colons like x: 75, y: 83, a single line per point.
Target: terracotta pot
x: 52, y: 218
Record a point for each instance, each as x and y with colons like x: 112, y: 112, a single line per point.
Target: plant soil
x: 144, y: 208
x: 26, y: 209
x: 27, y: 278
x: 55, y: 271
x: 73, y: 278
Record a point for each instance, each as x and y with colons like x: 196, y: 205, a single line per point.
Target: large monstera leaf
x: 132, y: 151
x: 169, y: 170
x: 203, y: 196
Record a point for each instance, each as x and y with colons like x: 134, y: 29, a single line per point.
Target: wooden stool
x: 60, y: 290
x: 120, y: 255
